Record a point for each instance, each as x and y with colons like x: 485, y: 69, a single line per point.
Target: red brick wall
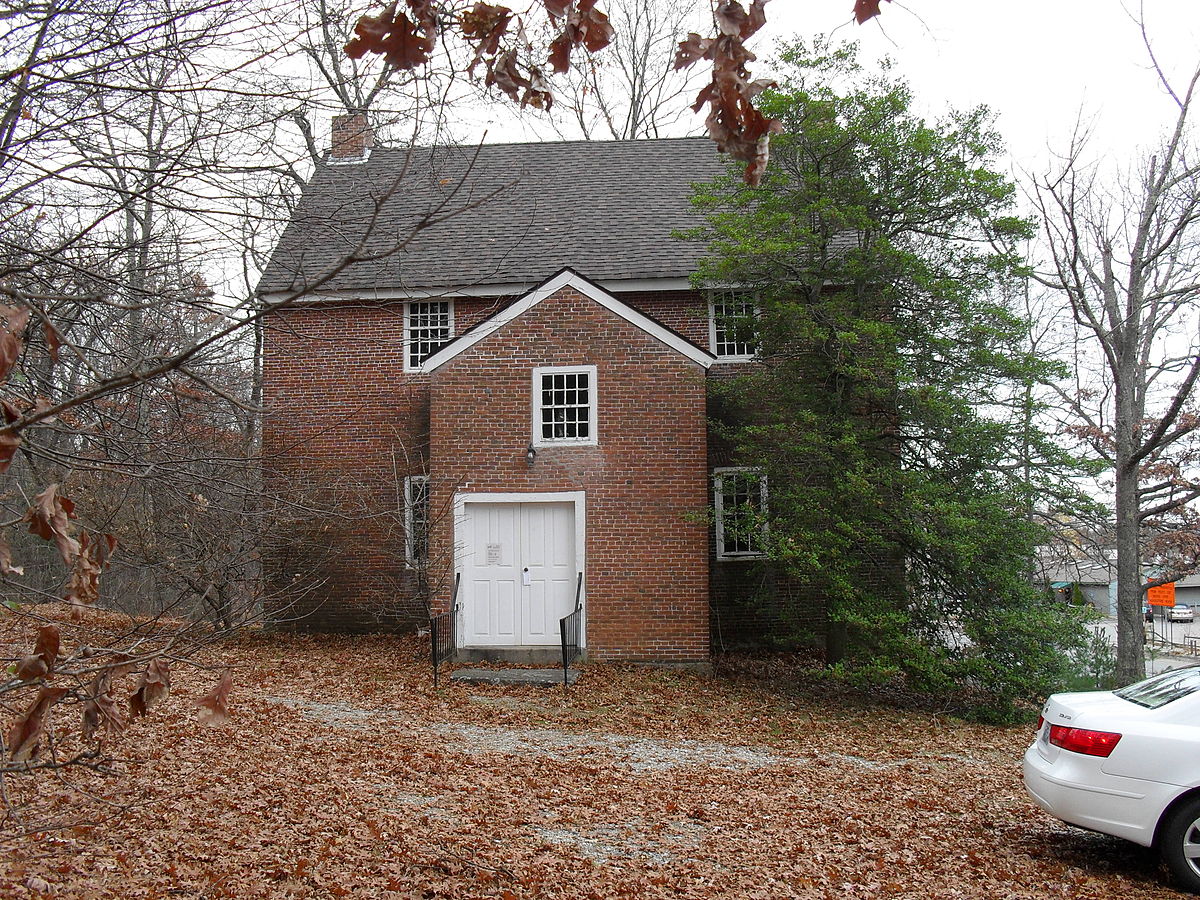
x: 343, y: 425
x: 646, y: 481
x: 685, y: 312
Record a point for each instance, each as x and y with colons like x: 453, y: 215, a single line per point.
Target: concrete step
x: 541, y: 677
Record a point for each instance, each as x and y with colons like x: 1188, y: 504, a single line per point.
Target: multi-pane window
x: 740, y: 500
x: 732, y: 319
x: 564, y: 405
x: 428, y: 326
x: 416, y: 518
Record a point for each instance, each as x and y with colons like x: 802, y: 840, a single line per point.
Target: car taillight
x: 1081, y: 740
x: 1041, y: 719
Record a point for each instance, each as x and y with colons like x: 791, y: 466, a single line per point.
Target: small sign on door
x: 493, y: 554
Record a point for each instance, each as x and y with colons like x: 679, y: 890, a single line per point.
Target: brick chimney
x: 352, y: 136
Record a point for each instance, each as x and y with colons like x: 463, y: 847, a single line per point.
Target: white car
x: 1126, y: 763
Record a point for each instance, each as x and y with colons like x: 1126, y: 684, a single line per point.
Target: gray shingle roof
x: 496, y: 214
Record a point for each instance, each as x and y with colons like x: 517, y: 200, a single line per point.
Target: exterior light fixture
x: 530, y: 454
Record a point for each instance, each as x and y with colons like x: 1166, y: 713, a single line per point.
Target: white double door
x: 519, y: 573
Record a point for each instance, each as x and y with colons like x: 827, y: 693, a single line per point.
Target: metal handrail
x: 442, y: 633
x: 569, y: 627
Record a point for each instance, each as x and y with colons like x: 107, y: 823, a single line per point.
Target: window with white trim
x: 564, y: 405
x: 428, y: 326
x: 732, y: 321
x: 740, y: 502
x: 416, y: 519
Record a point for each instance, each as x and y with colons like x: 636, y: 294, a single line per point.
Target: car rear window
x: 1162, y: 689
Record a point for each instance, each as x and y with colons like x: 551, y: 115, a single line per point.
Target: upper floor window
x: 731, y: 326
x: 740, y: 502
x: 428, y: 326
x: 564, y: 405
x: 416, y: 518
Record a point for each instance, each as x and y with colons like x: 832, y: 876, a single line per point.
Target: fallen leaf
x: 214, y: 706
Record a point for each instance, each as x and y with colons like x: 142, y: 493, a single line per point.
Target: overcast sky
x: 1037, y: 63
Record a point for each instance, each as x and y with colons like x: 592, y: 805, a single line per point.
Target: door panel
x: 493, y: 575
x: 548, y: 550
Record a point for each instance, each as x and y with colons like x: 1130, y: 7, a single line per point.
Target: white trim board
x: 568, y: 278
x: 498, y: 289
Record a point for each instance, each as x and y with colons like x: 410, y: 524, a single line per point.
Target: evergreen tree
x: 884, y: 406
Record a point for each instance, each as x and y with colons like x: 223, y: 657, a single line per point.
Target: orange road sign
x: 1162, y: 595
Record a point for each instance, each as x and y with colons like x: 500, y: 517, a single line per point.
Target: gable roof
x: 496, y: 214
x: 572, y: 279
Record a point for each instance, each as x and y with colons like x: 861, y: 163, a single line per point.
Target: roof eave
x: 495, y: 289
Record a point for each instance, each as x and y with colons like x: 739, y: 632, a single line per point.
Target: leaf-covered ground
x: 342, y: 774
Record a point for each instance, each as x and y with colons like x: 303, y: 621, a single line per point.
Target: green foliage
x: 889, y: 409
x: 1095, y: 663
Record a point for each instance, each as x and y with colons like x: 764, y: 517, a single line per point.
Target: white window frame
x: 719, y: 509
x: 536, y: 438
x: 712, y: 324
x: 409, y: 365
x: 410, y: 544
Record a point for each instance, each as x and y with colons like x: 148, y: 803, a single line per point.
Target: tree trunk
x: 837, y: 639
x: 1131, y: 635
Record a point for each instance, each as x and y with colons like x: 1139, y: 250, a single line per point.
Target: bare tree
x: 632, y: 90
x: 133, y: 139
x: 1125, y: 257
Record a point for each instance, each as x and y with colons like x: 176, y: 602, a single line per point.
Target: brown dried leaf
x: 505, y: 73
x: 53, y: 340
x: 6, y: 563
x: 32, y: 667
x: 403, y: 43
x: 425, y: 12
x: 121, y: 663
x: 214, y: 706
x: 538, y: 94
x: 865, y: 10
x: 730, y: 17
x: 47, y: 647
x: 585, y: 26
x: 49, y: 518
x: 101, y: 710
x: 153, y: 686
x: 484, y: 25
x: 370, y: 32
x: 11, y: 340
x: 25, y: 735
x: 692, y: 49
x: 757, y: 18
x: 595, y: 32
x: 94, y: 553
x: 733, y: 20
x: 10, y: 443
x: 560, y: 54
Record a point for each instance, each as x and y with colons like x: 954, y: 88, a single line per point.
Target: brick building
x: 497, y: 356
